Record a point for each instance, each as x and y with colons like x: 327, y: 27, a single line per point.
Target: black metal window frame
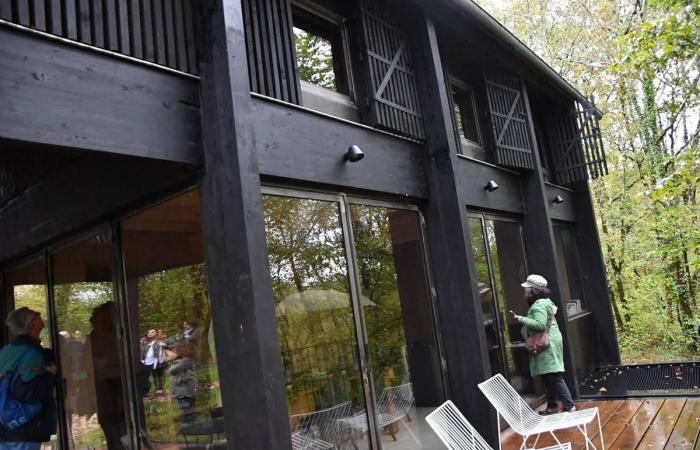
x: 340, y: 44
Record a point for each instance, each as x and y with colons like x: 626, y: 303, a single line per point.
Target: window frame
x: 342, y: 61
x: 466, y: 145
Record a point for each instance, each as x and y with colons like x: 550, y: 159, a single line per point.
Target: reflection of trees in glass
x: 378, y: 282
x: 314, y: 59
x: 33, y: 296
x: 76, y: 301
x: 306, y: 254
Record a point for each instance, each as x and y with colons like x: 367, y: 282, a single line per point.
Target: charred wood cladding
x: 182, y: 189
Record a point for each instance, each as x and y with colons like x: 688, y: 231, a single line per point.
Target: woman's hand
x: 518, y: 318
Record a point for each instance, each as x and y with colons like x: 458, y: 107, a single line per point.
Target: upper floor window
x: 319, y: 37
x: 466, y: 113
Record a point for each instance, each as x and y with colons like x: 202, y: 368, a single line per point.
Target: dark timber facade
x: 179, y: 166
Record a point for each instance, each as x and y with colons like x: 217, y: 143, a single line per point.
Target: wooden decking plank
x: 637, y: 426
x: 660, y: 429
x: 620, y: 421
x: 607, y: 409
x: 687, y: 430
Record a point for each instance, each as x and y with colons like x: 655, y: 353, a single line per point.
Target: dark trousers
x: 557, y: 390
x: 158, y: 375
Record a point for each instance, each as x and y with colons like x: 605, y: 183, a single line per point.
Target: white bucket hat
x: 535, y: 281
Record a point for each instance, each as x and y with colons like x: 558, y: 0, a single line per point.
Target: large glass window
x: 500, y: 263
x: 173, y: 353
x: 395, y: 300
x: 355, y: 323
x: 26, y: 285
x: 569, y: 272
x: 90, y: 348
x: 316, y: 324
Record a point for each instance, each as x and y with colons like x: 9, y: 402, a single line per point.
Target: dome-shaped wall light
x: 491, y: 186
x: 354, y: 154
x: 558, y: 199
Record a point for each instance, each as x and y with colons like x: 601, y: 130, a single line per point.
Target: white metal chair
x: 524, y: 421
x: 458, y: 434
x: 318, y: 430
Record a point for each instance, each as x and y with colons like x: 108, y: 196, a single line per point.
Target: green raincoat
x: 552, y: 359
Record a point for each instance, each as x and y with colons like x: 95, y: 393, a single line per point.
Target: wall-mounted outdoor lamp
x: 558, y: 199
x: 491, y: 186
x: 354, y: 154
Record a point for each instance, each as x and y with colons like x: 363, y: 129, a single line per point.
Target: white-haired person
x: 34, y: 378
x: 549, y: 363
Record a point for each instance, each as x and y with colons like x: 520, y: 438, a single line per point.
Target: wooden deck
x: 633, y: 424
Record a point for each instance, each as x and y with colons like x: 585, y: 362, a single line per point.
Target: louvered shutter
x: 509, y: 120
x: 577, y: 145
x: 270, y: 46
x: 393, y: 96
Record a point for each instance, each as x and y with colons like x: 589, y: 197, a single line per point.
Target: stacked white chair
x: 526, y: 422
x: 318, y: 430
x: 458, y: 434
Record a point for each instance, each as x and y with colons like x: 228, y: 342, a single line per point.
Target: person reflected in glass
x: 35, y: 382
x: 153, y: 358
x: 549, y: 363
x: 182, y: 382
x: 104, y: 347
x: 190, y: 332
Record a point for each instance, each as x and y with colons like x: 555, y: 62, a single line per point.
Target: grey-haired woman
x: 36, y: 379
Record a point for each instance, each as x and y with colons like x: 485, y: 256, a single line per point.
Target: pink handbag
x: 539, y: 342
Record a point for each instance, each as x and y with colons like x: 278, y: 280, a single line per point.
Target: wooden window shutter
x: 392, y: 92
x: 509, y: 120
x: 270, y: 46
x: 577, y: 145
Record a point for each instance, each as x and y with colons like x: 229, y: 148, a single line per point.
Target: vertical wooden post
x: 449, y: 241
x: 593, y: 275
x: 540, y: 247
x: 248, y: 351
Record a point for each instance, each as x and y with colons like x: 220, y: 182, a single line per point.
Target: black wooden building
x: 182, y: 197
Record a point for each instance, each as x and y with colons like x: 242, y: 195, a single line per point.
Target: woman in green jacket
x: 549, y: 363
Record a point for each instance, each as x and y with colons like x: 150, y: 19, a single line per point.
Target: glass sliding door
x: 90, y: 349
x: 400, y: 333
x: 177, y: 389
x: 355, y: 322
x: 316, y: 323
x: 489, y: 309
x: 500, y: 262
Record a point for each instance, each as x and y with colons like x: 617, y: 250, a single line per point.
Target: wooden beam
x: 449, y: 239
x: 250, y: 363
x: 391, y: 165
x: 67, y: 96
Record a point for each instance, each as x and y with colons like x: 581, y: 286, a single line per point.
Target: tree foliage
x: 639, y: 60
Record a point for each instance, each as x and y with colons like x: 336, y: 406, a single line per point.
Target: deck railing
x: 159, y: 31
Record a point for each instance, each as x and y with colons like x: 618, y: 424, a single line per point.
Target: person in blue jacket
x: 35, y: 383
